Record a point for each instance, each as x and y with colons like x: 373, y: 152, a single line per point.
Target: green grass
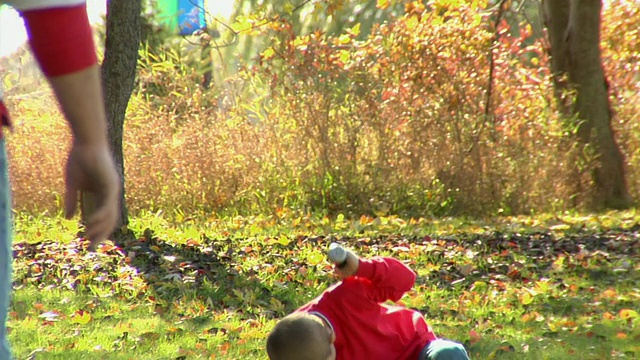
x: 550, y: 287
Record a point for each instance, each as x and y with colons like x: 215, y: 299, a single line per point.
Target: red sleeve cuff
x: 5, y: 120
x: 61, y: 39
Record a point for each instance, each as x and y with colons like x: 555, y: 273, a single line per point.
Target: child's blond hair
x: 297, y: 337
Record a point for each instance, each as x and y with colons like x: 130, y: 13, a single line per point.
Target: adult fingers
x: 70, y: 195
x: 101, y: 224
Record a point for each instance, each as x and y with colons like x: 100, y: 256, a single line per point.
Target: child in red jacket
x: 349, y: 321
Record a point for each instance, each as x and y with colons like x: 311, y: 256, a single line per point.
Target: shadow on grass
x: 605, y: 258
x: 138, y: 267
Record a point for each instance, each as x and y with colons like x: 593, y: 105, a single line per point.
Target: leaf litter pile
x: 547, y: 285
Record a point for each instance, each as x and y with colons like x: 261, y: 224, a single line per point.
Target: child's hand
x: 350, y: 268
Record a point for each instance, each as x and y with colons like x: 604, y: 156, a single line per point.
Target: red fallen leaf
x: 513, y: 273
x: 105, y: 248
x: 607, y: 315
x: 192, y: 242
x: 570, y: 324
x: 499, y: 284
x: 474, y: 337
x: 507, y: 348
x: 224, y: 348
x: 253, y: 323
x: 386, y: 95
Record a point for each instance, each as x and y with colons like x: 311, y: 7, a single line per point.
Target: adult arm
x: 62, y: 43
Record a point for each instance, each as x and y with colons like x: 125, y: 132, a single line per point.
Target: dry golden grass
x: 213, y: 162
x: 37, y: 149
x: 199, y: 164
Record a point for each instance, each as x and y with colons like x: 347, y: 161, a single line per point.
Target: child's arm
x: 389, y: 278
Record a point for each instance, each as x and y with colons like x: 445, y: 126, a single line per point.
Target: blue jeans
x: 443, y: 350
x: 6, y: 252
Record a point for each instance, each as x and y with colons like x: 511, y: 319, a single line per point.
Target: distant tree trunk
x: 574, y: 35
x: 118, y: 73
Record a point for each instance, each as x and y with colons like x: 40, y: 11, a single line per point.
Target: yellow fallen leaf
x: 627, y: 314
x: 81, y: 317
x: 383, y: 4
x: 526, y: 298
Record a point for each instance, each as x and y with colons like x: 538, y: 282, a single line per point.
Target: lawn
x: 547, y: 287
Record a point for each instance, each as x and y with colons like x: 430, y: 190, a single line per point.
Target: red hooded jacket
x: 365, y: 327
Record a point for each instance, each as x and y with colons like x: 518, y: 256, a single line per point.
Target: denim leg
x: 6, y: 253
x: 444, y: 350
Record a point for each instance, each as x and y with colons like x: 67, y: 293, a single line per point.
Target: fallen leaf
x: 627, y: 314
x: 81, y: 317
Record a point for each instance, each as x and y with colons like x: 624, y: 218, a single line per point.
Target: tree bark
x: 582, y: 90
x: 123, y: 34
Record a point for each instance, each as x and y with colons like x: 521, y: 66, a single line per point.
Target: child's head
x: 301, y: 336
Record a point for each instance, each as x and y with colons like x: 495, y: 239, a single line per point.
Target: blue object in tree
x: 183, y: 16
x: 190, y: 16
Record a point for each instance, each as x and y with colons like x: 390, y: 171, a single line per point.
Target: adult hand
x: 90, y: 168
x: 350, y: 267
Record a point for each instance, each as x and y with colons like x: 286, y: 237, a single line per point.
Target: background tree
x: 123, y: 32
x: 574, y: 36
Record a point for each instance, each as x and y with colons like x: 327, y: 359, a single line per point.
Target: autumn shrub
x: 185, y: 151
x: 404, y: 121
x: 621, y: 59
x: 37, y: 148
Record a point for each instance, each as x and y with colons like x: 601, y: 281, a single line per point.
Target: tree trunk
x: 574, y: 36
x: 123, y: 32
